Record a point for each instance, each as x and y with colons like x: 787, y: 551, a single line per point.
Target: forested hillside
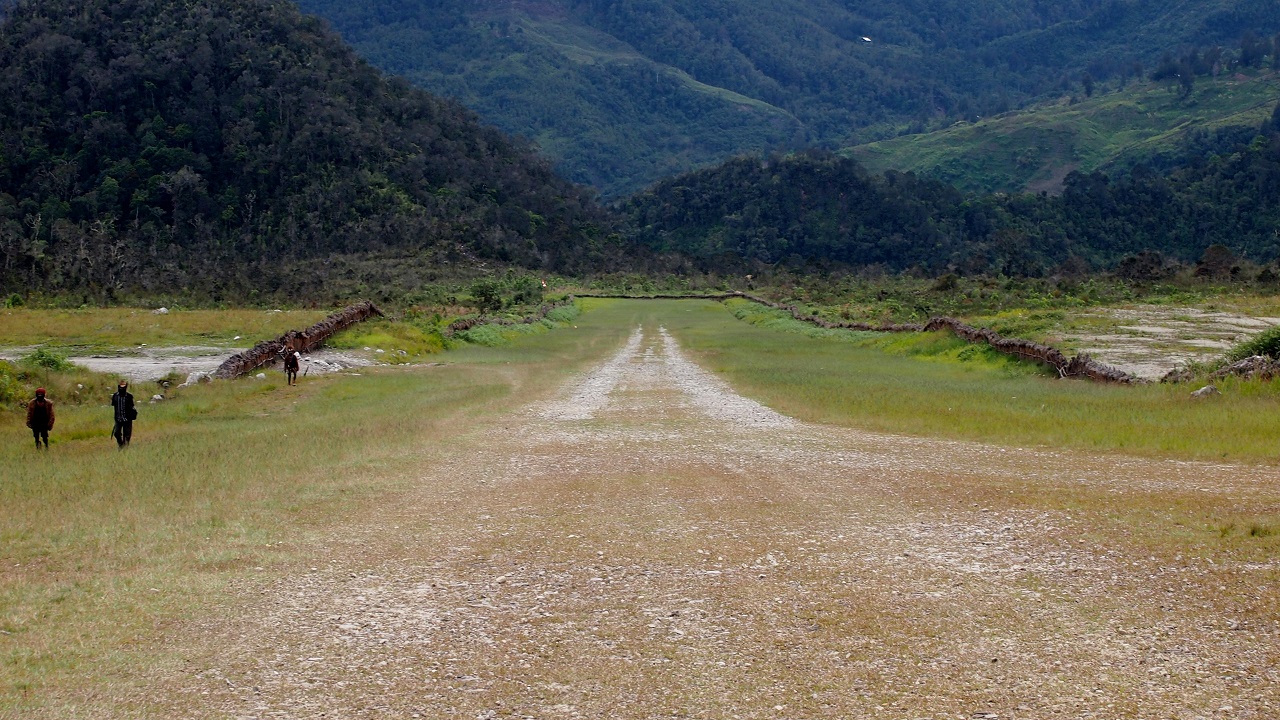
x: 622, y: 93
x: 170, y: 145
x: 815, y: 209
x: 1153, y: 123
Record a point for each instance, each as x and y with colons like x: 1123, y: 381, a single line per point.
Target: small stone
x: 1204, y: 392
x: 261, y: 376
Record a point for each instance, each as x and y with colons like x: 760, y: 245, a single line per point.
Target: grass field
x: 104, y: 552
x: 118, y: 328
x: 102, y: 549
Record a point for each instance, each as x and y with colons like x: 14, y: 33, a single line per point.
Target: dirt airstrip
x: 651, y: 544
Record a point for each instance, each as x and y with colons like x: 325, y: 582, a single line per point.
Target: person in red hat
x: 40, y: 418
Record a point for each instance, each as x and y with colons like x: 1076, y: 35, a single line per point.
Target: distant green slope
x: 621, y: 93
x: 1036, y: 148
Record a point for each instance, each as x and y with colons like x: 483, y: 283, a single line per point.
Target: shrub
x: 1265, y: 343
x: 10, y: 388
x: 487, y: 295
x: 563, y: 314
x: 47, y: 360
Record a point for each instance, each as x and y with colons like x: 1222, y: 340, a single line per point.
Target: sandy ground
x: 650, y: 544
x: 1151, y: 340
x: 147, y: 363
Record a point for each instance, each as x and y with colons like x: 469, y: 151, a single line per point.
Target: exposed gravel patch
x: 651, y: 544
x: 1151, y: 340
x: 145, y: 363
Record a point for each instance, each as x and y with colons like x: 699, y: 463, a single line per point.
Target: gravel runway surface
x: 649, y: 544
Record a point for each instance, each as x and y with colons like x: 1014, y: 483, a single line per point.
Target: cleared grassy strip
x: 130, y: 327
x: 103, y: 550
x: 936, y: 386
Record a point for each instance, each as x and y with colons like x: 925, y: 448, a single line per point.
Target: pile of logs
x: 269, y: 351
x: 1256, y: 366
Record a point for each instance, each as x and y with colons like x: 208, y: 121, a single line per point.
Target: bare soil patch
x: 651, y: 544
x: 1150, y: 340
x: 154, y: 363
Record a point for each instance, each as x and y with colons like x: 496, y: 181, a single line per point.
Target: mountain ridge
x: 844, y: 72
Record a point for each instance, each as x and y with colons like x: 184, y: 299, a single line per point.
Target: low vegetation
x: 1035, y: 148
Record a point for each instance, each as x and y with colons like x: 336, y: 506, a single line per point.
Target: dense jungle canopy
x: 168, y: 145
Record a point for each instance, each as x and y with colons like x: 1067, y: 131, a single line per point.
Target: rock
x: 160, y: 311
x: 261, y: 376
x: 157, y: 398
x: 196, y: 377
x: 1251, y: 367
x: 1178, y: 375
x: 1205, y: 392
x: 380, y: 351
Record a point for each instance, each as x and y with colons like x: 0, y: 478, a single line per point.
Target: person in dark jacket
x: 40, y: 418
x: 122, y: 404
x: 291, y: 366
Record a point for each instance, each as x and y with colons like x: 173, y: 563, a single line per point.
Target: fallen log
x: 304, y: 341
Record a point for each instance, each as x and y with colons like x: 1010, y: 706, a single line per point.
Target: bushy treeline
x: 160, y: 144
x: 596, y: 83
x: 815, y: 209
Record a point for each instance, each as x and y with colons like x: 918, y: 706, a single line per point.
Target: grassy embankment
x: 105, y: 552
x: 1035, y: 148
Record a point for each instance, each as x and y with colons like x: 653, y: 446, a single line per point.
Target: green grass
x: 1035, y: 148
x: 104, y: 551
x: 927, y: 385
x: 400, y: 341
x: 112, y: 328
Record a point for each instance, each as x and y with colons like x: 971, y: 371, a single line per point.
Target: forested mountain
x: 168, y: 144
x: 624, y: 92
x: 816, y: 209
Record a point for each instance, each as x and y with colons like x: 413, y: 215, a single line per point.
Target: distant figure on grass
x: 125, y: 414
x: 40, y: 418
x: 291, y: 365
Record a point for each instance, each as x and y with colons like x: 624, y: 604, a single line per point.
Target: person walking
x: 291, y: 365
x: 40, y: 418
x: 125, y: 414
